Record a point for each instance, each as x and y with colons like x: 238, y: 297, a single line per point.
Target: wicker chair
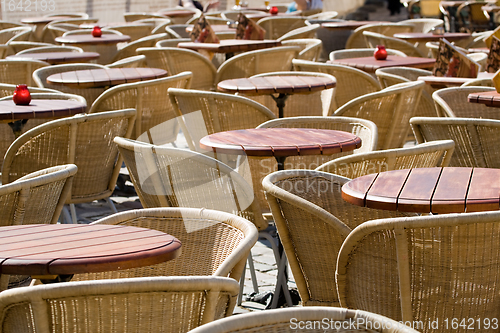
x: 135, y: 31
x: 159, y: 24
x: 70, y: 15
x: 364, y: 52
x: 232, y: 15
x: 426, y: 155
x: 19, y: 71
x: 53, y: 48
x: 212, y: 20
x: 308, y: 31
x: 177, y: 31
x: 15, y: 47
x: 328, y: 15
x: 206, y: 113
x: 310, y: 48
x: 155, y: 121
x: 251, y: 63
x: 133, y: 17
x: 130, y: 62
x: 286, y: 320
x: 478, y: 83
x: 471, y: 17
x: 356, y: 40
x: 53, y: 30
x: 423, y: 24
x: 351, y: 82
x: 8, y: 25
x: 313, y: 220
x: 423, y: 268
x: 172, y: 42
x: 214, y: 243
x: 85, y: 140
x: 107, y: 51
x: 176, y: 60
x: 476, y: 139
x: 394, y: 75
x: 373, y: 39
x: 278, y: 26
x: 15, y: 34
x: 90, y: 94
x: 452, y: 102
x: 156, y: 304
x: 390, y: 109
x: 129, y: 50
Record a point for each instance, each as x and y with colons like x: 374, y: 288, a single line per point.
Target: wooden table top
x: 60, y: 249
x: 92, y: 78
x: 488, y: 98
x: 231, y: 45
x: 54, y: 58
x: 435, y: 190
x: 90, y: 40
x: 280, y: 84
x: 351, y: 25
x: 280, y: 142
x: 40, y: 109
x: 370, y: 64
x: 43, y: 19
x: 429, y: 37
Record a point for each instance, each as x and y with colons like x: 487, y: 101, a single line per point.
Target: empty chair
x: 476, y: 139
x: 425, y: 155
x: 212, y: 20
x: 130, y: 62
x: 328, y: 15
x: 373, y: 39
x: 394, y: 75
x: 307, y: 205
x: 135, y: 31
x: 310, y: 48
x: 256, y: 62
x: 471, y: 17
x: 156, y: 120
x: 172, y: 42
x: 205, y: 113
x: 106, y: 50
x: 478, y: 83
x: 16, y: 46
x: 71, y: 15
x: 53, y: 30
x: 15, y: 34
x: 176, y: 60
x: 480, y: 58
x: 177, y: 31
x: 54, y: 48
x: 423, y: 24
x: 452, y: 102
x: 129, y: 50
x: 423, y: 268
x: 159, y: 24
x: 160, y: 304
x: 351, y: 82
x: 19, y: 71
x: 358, y: 53
x: 356, y: 39
x: 131, y: 17
x: 308, y: 31
x: 7, y: 25
x: 85, y: 140
x: 390, y: 109
x: 276, y: 27
x: 232, y: 15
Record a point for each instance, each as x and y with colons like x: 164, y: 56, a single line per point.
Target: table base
x: 280, y: 103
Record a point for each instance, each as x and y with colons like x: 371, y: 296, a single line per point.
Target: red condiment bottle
x: 22, y: 95
x: 273, y: 10
x: 380, y: 52
x: 97, y: 32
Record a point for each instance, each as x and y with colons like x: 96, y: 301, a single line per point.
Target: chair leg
x: 242, y: 284
x: 252, y: 273
x: 73, y: 213
x: 66, y: 215
x: 4, y: 281
x: 111, y: 205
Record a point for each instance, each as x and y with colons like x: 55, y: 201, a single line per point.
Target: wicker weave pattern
x: 390, y: 109
x: 19, y: 71
x: 308, y: 31
x: 425, y: 155
x: 423, y: 268
x: 155, y: 115
x: 135, y: 31
x: 423, y: 24
x: 85, y: 140
x: 451, y: 102
x: 15, y: 34
x: 476, y: 139
x: 278, y: 26
x: 313, y: 221
x: 161, y: 304
x: 356, y: 39
x: 310, y: 47
x: 129, y: 50
x: 373, y: 39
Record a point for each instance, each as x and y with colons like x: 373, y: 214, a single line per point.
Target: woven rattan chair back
x: 308, y: 31
x: 177, y: 31
x: 71, y: 15
x: 171, y: 42
x: 8, y: 25
x: 373, y: 39
x: 159, y: 24
x: 426, y: 155
x: 310, y: 48
x: 85, y: 140
x: 276, y: 27
x: 19, y: 71
x: 15, y: 34
x: 135, y: 31
x: 54, y: 48
x: 158, y: 304
x: 205, y: 113
x: 452, y: 102
x: 90, y: 94
x: 282, y: 320
x: 351, y: 82
x: 232, y: 15
x: 15, y: 47
x: 423, y: 24
x: 156, y: 120
x: 213, y: 242
x: 132, y: 17
x: 257, y: 62
x: 356, y: 40
x: 129, y: 50
x: 130, y: 62
x: 313, y: 220
x: 390, y: 109
x: 476, y: 139
x: 404, y: 268
x: 176, y: 60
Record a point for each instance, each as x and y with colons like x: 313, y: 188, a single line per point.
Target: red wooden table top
x: 42, y: 19
x: 280, y: 142
x: 283, y: 84
x: 91, y: 78
x: 370, y: 64
x: 57, y: 249
x: 231, y: 45
x: 489, y: 98
x: 436, y: 190
x: 348, y: 24
x: 428, y: 37
x: 57, y: 57
x: 40, y: 109
x: 89, y: 39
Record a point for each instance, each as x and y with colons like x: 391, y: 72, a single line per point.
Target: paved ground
x: 263, y: 257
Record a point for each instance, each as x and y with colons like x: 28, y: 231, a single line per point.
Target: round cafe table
x: 57, y: 251
x: 427, y: 190
x: 106, y: 45
x: 55, y: 58
x: 283, y: 85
